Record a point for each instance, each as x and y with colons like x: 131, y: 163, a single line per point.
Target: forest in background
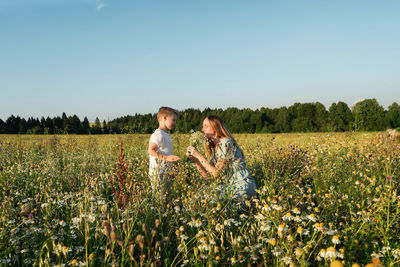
x: 365, y: 115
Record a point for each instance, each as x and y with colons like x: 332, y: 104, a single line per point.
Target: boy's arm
x: 153, y: 151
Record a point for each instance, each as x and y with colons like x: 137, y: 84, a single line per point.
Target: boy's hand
x: 172, y: 158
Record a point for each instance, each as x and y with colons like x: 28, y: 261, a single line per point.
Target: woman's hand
x: 191, y: 151
x: 196, y: 157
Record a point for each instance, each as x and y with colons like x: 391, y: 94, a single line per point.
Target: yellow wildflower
x: 336, y: 263
x: 299, y: 229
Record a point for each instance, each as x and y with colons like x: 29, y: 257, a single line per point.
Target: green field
x: 324, y: 199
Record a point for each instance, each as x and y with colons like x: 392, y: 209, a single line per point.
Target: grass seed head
x: 113, y: 235
x: 139, y: 239
x: 106, y: 228
x: 153, y: 232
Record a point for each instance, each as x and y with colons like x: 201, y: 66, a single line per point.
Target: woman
x: 227, y: 160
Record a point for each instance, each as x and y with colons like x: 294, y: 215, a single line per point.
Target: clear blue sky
x: 112, y: 58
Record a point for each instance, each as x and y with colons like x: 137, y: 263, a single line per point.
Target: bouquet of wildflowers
x: 196, y: 139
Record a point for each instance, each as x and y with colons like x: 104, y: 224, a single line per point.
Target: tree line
x: 365, y: 115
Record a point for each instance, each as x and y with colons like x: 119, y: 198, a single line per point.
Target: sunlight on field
x: 324, y: 198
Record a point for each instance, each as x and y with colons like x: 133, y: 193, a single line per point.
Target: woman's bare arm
x: 203, y: 165
x: 200, y: 167
x: 210, y: 168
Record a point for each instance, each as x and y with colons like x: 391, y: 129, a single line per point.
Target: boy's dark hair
x: 166, y: 111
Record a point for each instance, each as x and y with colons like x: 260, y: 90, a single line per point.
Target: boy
x: 161, y: 152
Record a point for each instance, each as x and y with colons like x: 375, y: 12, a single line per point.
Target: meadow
x: 324, y: 199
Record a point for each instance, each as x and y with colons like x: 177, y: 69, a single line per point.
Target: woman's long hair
x: 222, y: 131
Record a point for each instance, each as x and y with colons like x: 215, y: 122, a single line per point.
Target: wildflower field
x: 326, y: 199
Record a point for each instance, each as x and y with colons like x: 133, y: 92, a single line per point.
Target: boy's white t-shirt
x: 164, y: 143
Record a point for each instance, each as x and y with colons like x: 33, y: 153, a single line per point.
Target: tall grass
x: 323, y: 199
